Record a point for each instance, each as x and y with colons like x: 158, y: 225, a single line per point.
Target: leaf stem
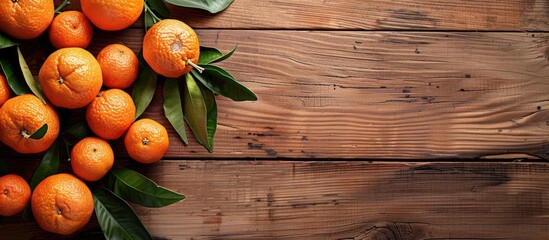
x: 25, y: 134
x: 148, y: 9
x: 63, y: 5
x: 199, y: 68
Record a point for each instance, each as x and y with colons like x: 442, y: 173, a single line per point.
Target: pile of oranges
x: 72, y: 78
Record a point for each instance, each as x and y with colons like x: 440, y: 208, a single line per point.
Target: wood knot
x: 396, y: 231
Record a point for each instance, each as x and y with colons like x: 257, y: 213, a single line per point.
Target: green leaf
x: 211, y: 107
x: 134, y: 187
x: 149, y: 20
x: 40, y: 133
x: 143, y: 90
x: 73, y: 134
x: 27, y: 212
x: 208, y: 54
x: 159, y: 8
x: 116, y: 218
x: 195, y: 110
x: 78, y: 130
x: 12, y: 72
x: 212, y: 55
x: 63, y: 5
x: 153, y: 8
x: 142, y: 62
x: 48, y: 166
x: 27, y: 75
x: 173, y: 109
x: 212, y: 6
x: 224, y: 57
x: 6, y: 42
x: 222, y: 83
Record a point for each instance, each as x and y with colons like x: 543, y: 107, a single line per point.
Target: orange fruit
x: 4, y: 89
x: 119, y: 65
x: 25, y: 19
x: 91, y: 158
x: 110, y: 114
x: 146, y: 141
x: 112, y: 15
x: 15, y: 194
x: 20, y: 117
x: 169, y: 45
x: 70, y: 78
x: 62, y: 204
x: 71, y: 29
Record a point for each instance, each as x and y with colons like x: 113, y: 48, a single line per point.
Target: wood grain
x: 348, y: 94
x: 355, y: 79
x: 344, y: 200
x: 484, y: 15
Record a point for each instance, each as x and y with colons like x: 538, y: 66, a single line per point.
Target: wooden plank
x: 485, y: 15
x: 344, y: 200
x: 347, y: 94
x: 377, y: 15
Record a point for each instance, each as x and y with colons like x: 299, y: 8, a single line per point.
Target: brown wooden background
x: 376, y: 119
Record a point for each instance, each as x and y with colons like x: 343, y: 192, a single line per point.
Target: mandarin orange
x: 15, y: 194
x: 71, y: 29
x: 91, y: 158
x: 146, y: 141
x: 171, y: 48
x: 112, y: 15
x: 110, y: 114
x: 20, y: 117
x: 62, y: 204
x: 119, y: 65
x: 4, y: 89
x: 25, y: 19
x: 70, y: 78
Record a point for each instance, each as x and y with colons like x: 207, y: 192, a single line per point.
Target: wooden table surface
x: 376, y: 119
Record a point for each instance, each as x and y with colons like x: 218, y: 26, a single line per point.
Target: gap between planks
x: 342, y: 200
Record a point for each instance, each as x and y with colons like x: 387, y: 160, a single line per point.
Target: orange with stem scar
x: 171, y: 48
